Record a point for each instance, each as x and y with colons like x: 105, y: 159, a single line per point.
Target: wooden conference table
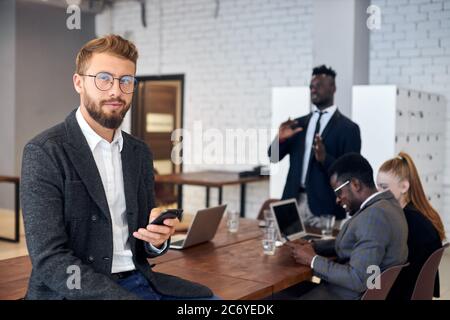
x: 16, y: 182
x: 232, y: 265
x: 210, y: 179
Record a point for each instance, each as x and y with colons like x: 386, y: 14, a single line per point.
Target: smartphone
x: 168, y: 214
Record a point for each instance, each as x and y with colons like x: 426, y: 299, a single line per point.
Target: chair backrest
x: 387, y: 279
x: 164, y: 193
x: 265, y: 205
x: 424, y: 287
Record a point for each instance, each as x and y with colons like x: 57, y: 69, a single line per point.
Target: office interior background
x: 225, y: 59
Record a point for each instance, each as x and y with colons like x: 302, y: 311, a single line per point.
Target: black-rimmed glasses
x: 104, y: 81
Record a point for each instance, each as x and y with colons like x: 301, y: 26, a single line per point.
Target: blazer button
x: 106, y: 258
x: 94, y: 217
x: 91, y: 259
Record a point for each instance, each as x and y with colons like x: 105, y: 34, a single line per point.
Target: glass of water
x: 327, y: 224
x: 268, y: 242
x: 233, y: 221
x: 269, y: 219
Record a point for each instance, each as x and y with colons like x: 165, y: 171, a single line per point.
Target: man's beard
x: 110, y: 121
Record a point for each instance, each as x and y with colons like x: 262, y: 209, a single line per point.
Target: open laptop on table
x: 288, y: 221
x: 202, y: 229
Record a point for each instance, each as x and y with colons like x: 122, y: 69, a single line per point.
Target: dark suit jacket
x: 423, y: 240
x: 340, y: 136
x: 68, y: 223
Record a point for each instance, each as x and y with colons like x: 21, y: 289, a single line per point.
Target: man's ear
x: 78, y: 82
x: 355, y: 184
x: 332, y: 83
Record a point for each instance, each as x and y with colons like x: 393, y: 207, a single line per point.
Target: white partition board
x: 374, y: 110
x: 287, y: 102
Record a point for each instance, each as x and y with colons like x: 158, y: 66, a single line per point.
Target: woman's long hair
x: 403, y: 167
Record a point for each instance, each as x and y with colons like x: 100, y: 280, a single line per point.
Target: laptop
x: 202, y: 229
x: 288, y: 221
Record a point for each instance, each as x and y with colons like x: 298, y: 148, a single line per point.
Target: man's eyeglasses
x: 337, y: 191
x: 104, y: 81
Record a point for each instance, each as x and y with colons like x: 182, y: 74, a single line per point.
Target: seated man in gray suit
x: 375, y: 235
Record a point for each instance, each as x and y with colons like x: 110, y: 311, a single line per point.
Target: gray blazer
x: 67, y: 220
x: 376, y: 235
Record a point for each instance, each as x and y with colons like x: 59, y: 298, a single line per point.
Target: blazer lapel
x: 131, y: 165
x: 331, y: 124
x: 82, y: 159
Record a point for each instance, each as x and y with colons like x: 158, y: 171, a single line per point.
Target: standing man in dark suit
x: 88, y: 194
x: 313, y: 142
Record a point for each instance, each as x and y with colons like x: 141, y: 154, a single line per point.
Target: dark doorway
x: 157, y: 112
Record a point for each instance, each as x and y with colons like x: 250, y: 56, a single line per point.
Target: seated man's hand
x: 302, y: 253
x: 154, y: 234
x: 301, y: 241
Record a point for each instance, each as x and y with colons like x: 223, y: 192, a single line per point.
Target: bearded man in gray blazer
x: 87, y: 194
x: 375, y: 235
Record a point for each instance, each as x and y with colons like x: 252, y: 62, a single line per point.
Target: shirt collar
x: 92, y: 138
x: 370, y: 198
x: 329, y: 111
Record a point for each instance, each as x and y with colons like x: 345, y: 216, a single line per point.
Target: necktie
x: 317, y: 130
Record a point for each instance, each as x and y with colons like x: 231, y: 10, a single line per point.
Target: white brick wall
x: 232, y: 61
x: 412, y: 50
x: 230, y: 64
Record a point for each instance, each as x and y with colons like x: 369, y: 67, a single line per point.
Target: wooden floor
x: 11, y: 250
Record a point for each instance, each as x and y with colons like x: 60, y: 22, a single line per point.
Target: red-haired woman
x: 426, y: 231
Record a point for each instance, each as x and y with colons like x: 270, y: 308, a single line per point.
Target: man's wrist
x: 155, y: 249
x: 312, y: 261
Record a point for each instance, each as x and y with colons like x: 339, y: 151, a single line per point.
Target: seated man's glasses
x: 104, y: 81
x: 338, y: 190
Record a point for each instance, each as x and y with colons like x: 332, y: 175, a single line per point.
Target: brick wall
x: 230, y: 63
x: 412, y: 50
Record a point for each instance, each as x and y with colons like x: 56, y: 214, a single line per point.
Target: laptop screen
x: 287, y: 218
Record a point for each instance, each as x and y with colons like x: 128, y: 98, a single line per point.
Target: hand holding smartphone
x: 168, y: 214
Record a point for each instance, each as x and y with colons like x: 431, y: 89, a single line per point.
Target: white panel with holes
x: 394, y: 119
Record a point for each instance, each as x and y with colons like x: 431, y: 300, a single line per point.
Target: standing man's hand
x: 286, y: 130
x: 319, y: 149
x: 302, y: 253
x: 154, y: 234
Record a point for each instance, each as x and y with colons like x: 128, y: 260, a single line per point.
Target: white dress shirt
x: 109, y: 164
x: 370, y: 198
x: 309, y: 139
